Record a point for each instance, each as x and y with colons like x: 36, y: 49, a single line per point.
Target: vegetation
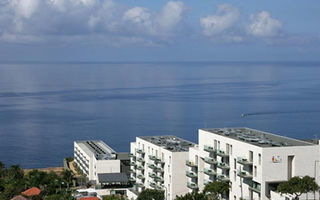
x: 298, y: 185
x: 13, y: 181
x: 150, y: 194
x: 212, y: 191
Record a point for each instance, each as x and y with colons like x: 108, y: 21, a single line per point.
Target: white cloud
x: 223, y: 19
x: 48, y: 20
x: 263, y: 25
x: 163, y: 23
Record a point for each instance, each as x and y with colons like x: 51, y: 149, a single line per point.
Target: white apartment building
x: 253, y: 162
x: 158, y: 162
x: 97, y: 160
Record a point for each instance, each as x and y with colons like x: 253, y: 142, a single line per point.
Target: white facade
x: 158, y: 162
x: 95, y: 157
x: 253, y: 162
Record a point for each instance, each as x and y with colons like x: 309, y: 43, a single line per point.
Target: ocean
x: 44, y: 107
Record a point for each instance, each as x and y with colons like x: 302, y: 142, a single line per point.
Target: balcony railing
x: 158, y: 169
x: 244, y: 174
x: 223, y: 178
x: 255, y: 189
x: 141, y: 185
x: 222, y: 153
x: 133, y: 164
x: 158, y: 179
x: 140, y: 151
x: 152, y: 166
x: 140, y: 159
x: 209, y: 149
x: 139, y: 167
x: 132, y: 179
x: 222, y: 165
x: 193, y: 186
x: 152, y: 157
x: 206, y: 182
x: 191, y: 174
x: 153, y: 185
x: 140, y: 176
x: 132, y: 155
x: 191, y: 164
x: 244, y: 161
x: 209, y: 172
x: 210, y: 160
x: 152, y: 175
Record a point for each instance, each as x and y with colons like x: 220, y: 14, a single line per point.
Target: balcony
x: 244, y: 161
x: 152, y: 166
x: 152, y: 175
x: 158, y: 160
x: 140, y: 160
x: 132, y: 171
x: 159, y: 187
x: 255, y: 188
x: 158, y: 179
x: 245, y: 175
x: 139, y: 167
x: 153, y: 185
x: 191, y: 164
x: 191, y: 174
x: 140, y: 176
x: 133, y: 164
x: 209, y: 172
x: 140, y: 151
x: 223, y: 178
x: 152, y: 157
x: 222, y: 153
x: 193, y: 186
x: 210, y: 160
x: 131, y: 155
x: 158, y: 169
x: 132, y: 179
x: 209, y: 149
x: 223, y: 165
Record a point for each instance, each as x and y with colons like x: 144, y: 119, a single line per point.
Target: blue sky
x: 158, y: 30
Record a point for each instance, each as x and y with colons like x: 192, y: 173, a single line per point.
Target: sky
x: 159, y: 30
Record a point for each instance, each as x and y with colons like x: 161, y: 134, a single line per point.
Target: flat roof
x: 169, y: 142
x: 113, y: 178
x: 256, y: 137
x: 97, y: 148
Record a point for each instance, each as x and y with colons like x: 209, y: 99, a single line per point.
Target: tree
x: 298, y: 185
x: 67, y: 176
x: 193, y: 196
x: 150, y: 194
x: 215, y: 189
x: 2, y: 168
x: 15, y: 172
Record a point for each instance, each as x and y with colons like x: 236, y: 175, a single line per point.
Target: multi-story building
x: 253, y: 162
x: 158, y: 162
x: 98, y: 161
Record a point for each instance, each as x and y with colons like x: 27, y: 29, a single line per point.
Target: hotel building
x: 253, y: 162
x: 158, y: 162
x: 100, y: 163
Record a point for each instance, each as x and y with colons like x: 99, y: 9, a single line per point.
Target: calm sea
x: 44, y: 107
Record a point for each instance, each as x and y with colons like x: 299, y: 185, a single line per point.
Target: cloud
x: 263, y: 25
x: 223, y: 19
x: 56, y: 20
x: 163, y: 23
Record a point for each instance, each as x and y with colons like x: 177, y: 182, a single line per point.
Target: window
x: 157, y: 153
x: 152, y: 151
x: 162, y: 157
x: 259, y: 159
x: 235, y: 197
x: 169, y: 168
x: 215, y: 144
x: 250, y: 156
x: 143, y: 147
x: 196, y: 159
x: 234, y: 175
x: 148, y: 150
x: 219, y: 145
x: 255, y: 171
x: 170, y: 159
x: 227, y: 148
x: 235, y: 163
x: 230, y: 149
x: 169, y: 178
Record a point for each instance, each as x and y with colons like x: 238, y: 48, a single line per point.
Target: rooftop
x: 97, y: 148
x: 258, y: 138
x: 169, y: 142
x: 34, y: 191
